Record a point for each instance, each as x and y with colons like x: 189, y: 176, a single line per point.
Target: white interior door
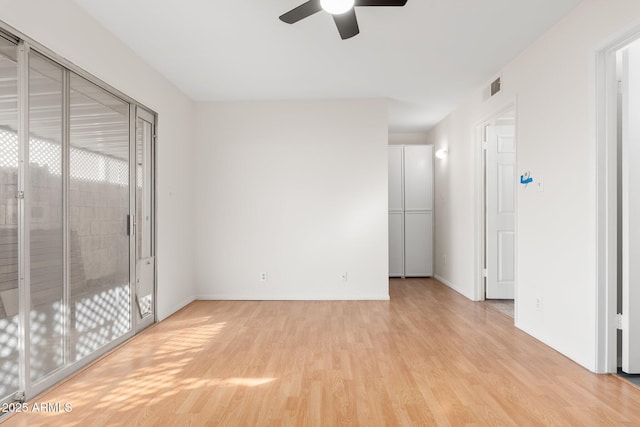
x: 500, y: 214
x: 631, y: 210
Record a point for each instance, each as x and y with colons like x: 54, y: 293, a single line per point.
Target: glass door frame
x: 21, y: 96
x: 30, y: 389
x: 27, y: 388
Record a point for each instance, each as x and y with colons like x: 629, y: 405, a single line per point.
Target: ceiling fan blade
x: 303, y: 11
x: 380, y: 2
x: 347, y: 24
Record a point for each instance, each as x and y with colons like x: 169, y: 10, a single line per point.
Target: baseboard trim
x: 452, y: 286
x: 216, y: 297
x: 176, y: 308
x: 443, y: 281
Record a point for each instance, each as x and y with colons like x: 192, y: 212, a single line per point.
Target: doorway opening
x: 628, y: 231
x: 497, y: 138
x: 618, y: 227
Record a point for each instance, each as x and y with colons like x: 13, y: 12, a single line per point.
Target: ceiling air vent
x: 491, y: 90
x: 495, y: 86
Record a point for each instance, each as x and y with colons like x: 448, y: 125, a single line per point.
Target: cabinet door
x: 418, y: 178
x: 395, y: 178
x: 418, y: 237
x: 396, y: 244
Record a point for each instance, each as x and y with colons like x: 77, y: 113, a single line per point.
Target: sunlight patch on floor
x: 140, y: 375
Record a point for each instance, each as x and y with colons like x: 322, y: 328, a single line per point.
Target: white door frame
x: 605, y: 147
x: 480, y: 221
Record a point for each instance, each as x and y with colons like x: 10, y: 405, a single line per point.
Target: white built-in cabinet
x: 410, y: 210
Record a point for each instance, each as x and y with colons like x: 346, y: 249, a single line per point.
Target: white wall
x: 297, y: 189
x: 406, y: 138
x: 554, y: 83
x: 71, y: 33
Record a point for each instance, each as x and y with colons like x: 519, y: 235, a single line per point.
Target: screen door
x: 144, y: 218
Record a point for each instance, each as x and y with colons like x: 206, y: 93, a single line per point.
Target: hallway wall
x: 552, y: 84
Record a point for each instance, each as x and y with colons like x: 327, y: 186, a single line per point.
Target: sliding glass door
x: 100, y: 294
x: 9, y: 278
x: 45, y: 218
x: 77, y: 237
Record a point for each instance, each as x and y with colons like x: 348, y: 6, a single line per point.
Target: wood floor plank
x: 426, y: 357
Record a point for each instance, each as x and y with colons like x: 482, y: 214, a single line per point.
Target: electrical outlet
x: 344, y: 276
x: 263, y: 277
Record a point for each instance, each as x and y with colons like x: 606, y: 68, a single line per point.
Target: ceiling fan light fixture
x: 337, y: 7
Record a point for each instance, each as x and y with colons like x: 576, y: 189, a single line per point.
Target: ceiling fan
x: 343, y: 12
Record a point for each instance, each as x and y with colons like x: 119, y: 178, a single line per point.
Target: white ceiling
x: 424, y: 57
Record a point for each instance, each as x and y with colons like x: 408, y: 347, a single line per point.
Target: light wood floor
x: 427, y: 357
